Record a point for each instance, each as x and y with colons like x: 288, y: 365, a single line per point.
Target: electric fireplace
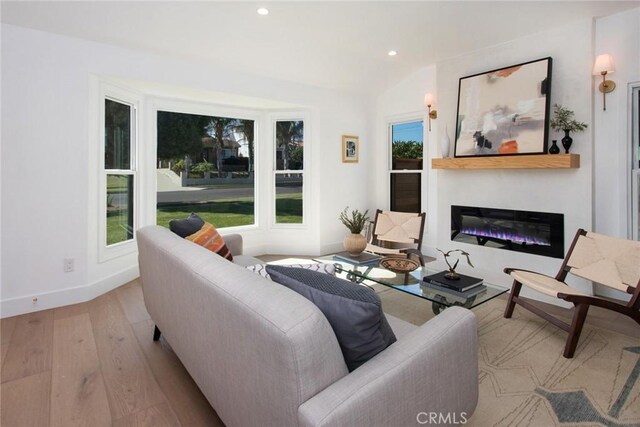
x: 538, y: 233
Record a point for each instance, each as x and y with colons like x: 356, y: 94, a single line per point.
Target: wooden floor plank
x: 78, y: 394
x: 129, y: 381
x: 132, y: 303
x: 157, y: 416
x: 29, y: 350
x: 25, y: 401
x: 70, y: 311
x: 188, y: 402
x: 7, y: 325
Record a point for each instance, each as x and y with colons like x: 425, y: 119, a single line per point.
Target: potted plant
x: 355, y: 242
x: 452, y: 275
x: 563, y: 120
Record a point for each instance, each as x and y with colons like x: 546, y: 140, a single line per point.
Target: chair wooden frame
x: 376, y: 240
x: 581, y: 302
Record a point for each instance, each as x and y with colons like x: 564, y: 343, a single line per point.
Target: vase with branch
x: 563, y: 120
x: 355, y: 221
x: 452, y: 275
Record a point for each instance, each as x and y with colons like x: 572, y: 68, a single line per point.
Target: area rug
x: 525, y: 381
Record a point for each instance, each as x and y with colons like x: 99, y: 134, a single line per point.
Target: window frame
x: 114, y: 93
x: 634, y: 162
x: 172, y: 105
x: 305, y: 171
x: 401, y: 119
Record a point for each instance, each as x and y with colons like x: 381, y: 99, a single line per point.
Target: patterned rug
x: 525, y: 381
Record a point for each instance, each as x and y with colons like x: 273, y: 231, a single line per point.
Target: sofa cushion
x: 261, y: 269
x: 209, y: 238
x: 353, y: 311
x: 187, y: 226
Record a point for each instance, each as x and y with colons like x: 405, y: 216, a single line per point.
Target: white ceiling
x: 340, y: 45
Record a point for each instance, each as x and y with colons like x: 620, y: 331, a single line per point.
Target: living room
x: 59, y: 58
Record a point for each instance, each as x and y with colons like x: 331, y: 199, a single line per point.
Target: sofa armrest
x: 234, y: 243
x: 433, y: 369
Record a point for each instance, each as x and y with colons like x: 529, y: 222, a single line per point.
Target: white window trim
x: 206, y: 109
x: 306, y: 174
x: 633, y: 174
x: 399, y: 119
x: 118, y: 94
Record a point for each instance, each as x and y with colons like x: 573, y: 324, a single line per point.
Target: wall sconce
x: 428, y: 102
x: 602, y: 66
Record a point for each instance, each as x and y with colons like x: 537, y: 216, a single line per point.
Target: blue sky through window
x: 412, y: 131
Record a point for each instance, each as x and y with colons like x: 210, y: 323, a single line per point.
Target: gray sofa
x: 265, y: 356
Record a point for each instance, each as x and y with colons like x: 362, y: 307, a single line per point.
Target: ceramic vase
x: 567, y: 141
x: 554, y: 149
x: 354, y: 243
x: 445, y: 143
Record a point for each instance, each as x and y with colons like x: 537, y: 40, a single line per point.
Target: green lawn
x: 221, y: 213
x: 289, y: 208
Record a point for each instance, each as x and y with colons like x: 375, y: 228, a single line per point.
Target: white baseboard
x: 22, y: 305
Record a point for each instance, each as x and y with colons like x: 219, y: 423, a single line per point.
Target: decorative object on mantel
x: 504, y: 111
x: 355, y: 242
x: 429, y: 101
x: 452, y: 275
x: 602, y: 67
x: 554, y: 149
x: 563, y: 120
x: 445, y: 143
x: 350, y: 149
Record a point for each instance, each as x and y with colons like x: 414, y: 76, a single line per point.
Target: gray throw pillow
x: 353, y: 311
x: 261, y: 269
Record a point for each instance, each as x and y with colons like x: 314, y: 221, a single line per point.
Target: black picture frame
x: 505, y: 111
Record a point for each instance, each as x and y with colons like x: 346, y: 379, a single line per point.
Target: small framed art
x: 350, y: 149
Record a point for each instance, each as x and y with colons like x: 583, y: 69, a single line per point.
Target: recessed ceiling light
x: 263, y: 11
x: 392, y: 53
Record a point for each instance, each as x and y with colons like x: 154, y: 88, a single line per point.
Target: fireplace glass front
x: 538, y: 233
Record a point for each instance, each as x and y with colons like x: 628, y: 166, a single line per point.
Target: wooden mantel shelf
x: 534, y: 161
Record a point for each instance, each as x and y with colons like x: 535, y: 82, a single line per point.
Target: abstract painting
x: 504, y: 111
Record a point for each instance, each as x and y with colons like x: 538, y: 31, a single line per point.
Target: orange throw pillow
x: 209, y: 238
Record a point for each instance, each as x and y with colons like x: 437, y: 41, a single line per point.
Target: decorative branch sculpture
x: 452, y: 275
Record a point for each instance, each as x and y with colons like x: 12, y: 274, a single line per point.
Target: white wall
x: 618, y: 35
x: 46, y: 164
x: 559, y: 191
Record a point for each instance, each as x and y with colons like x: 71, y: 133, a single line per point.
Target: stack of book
x: 364, y: 258
x: 465, y: 286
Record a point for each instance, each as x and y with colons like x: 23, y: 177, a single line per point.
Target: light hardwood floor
x: 95, y: 364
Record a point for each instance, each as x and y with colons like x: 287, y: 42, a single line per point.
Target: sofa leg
x: 515, y: 291
x: 579, y: 314
x: 156, y: 334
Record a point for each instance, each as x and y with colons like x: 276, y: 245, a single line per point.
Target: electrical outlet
x: 68, y: 265
x: 34, y: 300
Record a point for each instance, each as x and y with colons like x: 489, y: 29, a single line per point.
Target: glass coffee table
x: 411, y: 283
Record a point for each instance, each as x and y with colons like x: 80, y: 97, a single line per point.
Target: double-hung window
x: 289, y: 171
x: 119, y: 172
x: 405, y: 166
